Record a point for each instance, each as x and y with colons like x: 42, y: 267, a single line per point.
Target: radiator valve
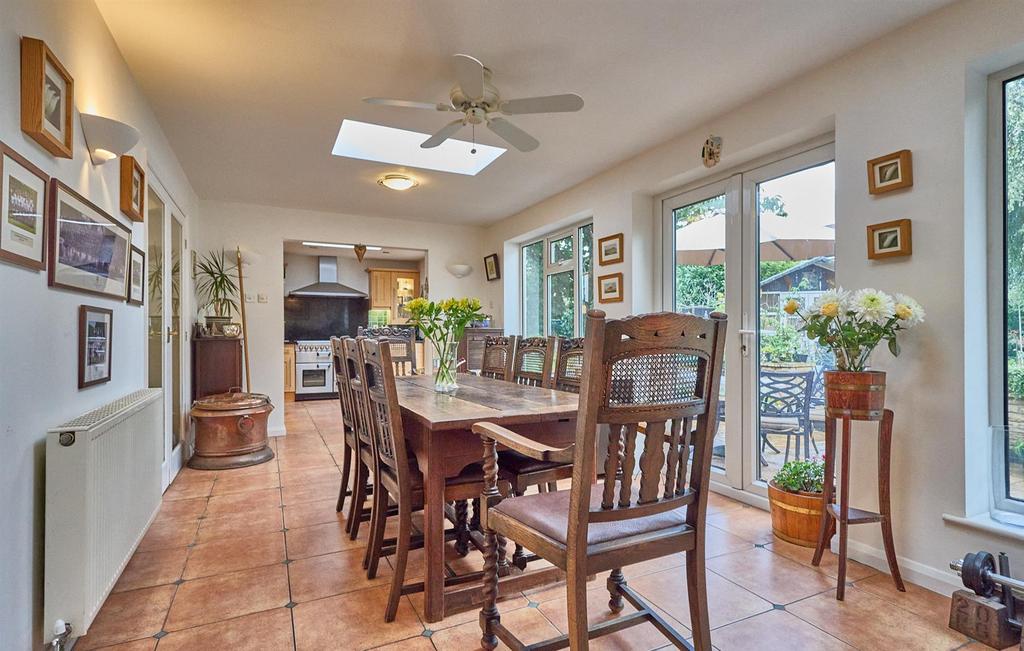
x: 62, y: 633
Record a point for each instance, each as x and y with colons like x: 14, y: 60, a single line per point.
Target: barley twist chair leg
x: 489, y: 611
x: 462, y: 527
x: 615, y: 581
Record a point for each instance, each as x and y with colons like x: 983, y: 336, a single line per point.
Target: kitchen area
x: 334, y: 289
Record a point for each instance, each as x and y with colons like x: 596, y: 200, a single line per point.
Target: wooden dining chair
x: 403, y: 345
x: 533, y: 361
x: 673, y: 362
x: 364, y: 458
x: 498, y: 354
x: 398, y: 477
x: 349, y: 446
x: 569, y: 364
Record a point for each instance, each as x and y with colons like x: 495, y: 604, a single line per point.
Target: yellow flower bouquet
x: 443, y: 324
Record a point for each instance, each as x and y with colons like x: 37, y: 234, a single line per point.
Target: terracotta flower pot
x: 795, y: 516
x: 855, y: 394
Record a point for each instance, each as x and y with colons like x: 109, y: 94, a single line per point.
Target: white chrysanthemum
x: 832, y: 303
x: 909, y: 311
x: 872, y: 305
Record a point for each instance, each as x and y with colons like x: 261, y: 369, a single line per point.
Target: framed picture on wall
x: 47, y: 99
x: 95, y: 330
x: 889, y: 239
x: 136, y: 276
x: 609, y: 288
x: 88, y: 247
x: 133, y: 189
x: 609, y: 249
x: 23, y: 211
x: 890, y: 172
x: 491, y: 267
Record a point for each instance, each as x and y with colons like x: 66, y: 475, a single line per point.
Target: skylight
x: 400, y: 147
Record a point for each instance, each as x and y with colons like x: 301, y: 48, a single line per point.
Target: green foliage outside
x: 800, y: 475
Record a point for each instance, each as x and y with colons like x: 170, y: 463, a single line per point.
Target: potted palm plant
x: 217, y: 289
x: 795, y: 497
x: 852, y: 325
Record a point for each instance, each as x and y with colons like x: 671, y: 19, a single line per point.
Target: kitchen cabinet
x: 391, y: 289
x: 289, y: 368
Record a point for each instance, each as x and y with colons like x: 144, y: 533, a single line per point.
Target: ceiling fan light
x: 398, y: 182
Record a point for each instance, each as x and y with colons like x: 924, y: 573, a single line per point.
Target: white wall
x: 262, y: 230
x: 39, y: 325
x: 920, y: 88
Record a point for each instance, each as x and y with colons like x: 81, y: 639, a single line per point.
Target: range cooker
x: 314, y: 370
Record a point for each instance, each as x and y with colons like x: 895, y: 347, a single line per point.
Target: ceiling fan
x: 480, y: 103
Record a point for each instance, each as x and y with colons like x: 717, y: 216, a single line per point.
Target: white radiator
x: 102, y: 491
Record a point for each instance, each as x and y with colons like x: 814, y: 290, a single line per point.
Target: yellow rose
x: 903, y: 312
x: 791, y: 306
x: 830, y: 309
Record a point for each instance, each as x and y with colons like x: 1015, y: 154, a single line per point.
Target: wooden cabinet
x: 391, y: 289
x: 289, y: 368
x: 216, y: 365
x: 471, y: 347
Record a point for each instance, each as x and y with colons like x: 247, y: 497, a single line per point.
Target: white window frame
x: 550, y: 269
x: 998, y: 406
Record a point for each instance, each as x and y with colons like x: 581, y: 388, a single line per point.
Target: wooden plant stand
x: 841, y: 512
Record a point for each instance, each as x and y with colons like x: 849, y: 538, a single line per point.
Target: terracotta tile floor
x: 196, y: 583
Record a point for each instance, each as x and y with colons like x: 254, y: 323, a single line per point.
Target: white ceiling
x: 251, y: 94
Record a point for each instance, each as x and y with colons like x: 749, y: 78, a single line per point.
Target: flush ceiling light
x: 332, y: 245
x: 397, y: 182
x: 107, y: 139
x: 382, y: 144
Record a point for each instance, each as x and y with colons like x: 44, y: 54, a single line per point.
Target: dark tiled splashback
x: 316, y: 317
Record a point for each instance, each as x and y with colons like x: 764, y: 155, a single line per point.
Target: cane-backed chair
x: 673, y: 362
x: 498, y: 356
x: 364, y: 458
x: 569, y: 364
x: 398, y: 477
x: 533, y: 361
x: 402, y: 340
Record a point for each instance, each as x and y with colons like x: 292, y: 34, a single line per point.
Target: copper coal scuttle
x: 231, y: 430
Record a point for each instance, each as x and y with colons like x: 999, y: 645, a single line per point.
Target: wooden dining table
x: 438, y: 431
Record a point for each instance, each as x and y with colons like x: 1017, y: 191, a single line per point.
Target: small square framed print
x: 889, y: 239
x: 609, y: 288
x: 491, y: 267
x: 22, y: 211
x: 609, y: 249
x: 890, y: 172
x: 47, y: 99
x: 133, y: 188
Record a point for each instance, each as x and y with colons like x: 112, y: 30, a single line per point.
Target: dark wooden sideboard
x: 216, y: 365
x: 471, y: 347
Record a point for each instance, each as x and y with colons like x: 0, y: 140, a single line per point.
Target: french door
x: 745, y: 245
x: 166, y: 336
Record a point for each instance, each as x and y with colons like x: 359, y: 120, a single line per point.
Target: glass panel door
x: 791, y: 205
x: 166, y: 353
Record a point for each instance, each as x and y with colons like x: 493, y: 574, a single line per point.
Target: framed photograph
x: 23, y: 211
x: 88, y: 247
x: 889, y: 239
x: 136, y: 276
x: 609, y: 288
x: 609, y: 249
x: 890, y: 172
x: 133, y: 189
x: 491, y: 267
x: 95, y: 328
x: 47, y: 99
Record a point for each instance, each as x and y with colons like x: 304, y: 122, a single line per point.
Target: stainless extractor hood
x: 328, y: 284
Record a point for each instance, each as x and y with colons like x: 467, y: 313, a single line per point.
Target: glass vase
x: 444, y: 368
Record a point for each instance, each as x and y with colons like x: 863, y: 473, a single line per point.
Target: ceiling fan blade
x: 548, y: 104
x: 446, y: 132
x: 513, y: 135
x: 469, y: 72
x: 405, y: 103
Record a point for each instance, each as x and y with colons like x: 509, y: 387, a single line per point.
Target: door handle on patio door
x: 743, y: 335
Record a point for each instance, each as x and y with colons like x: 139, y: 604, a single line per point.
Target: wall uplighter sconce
x: 106, y: 138
x: 459, y: 270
